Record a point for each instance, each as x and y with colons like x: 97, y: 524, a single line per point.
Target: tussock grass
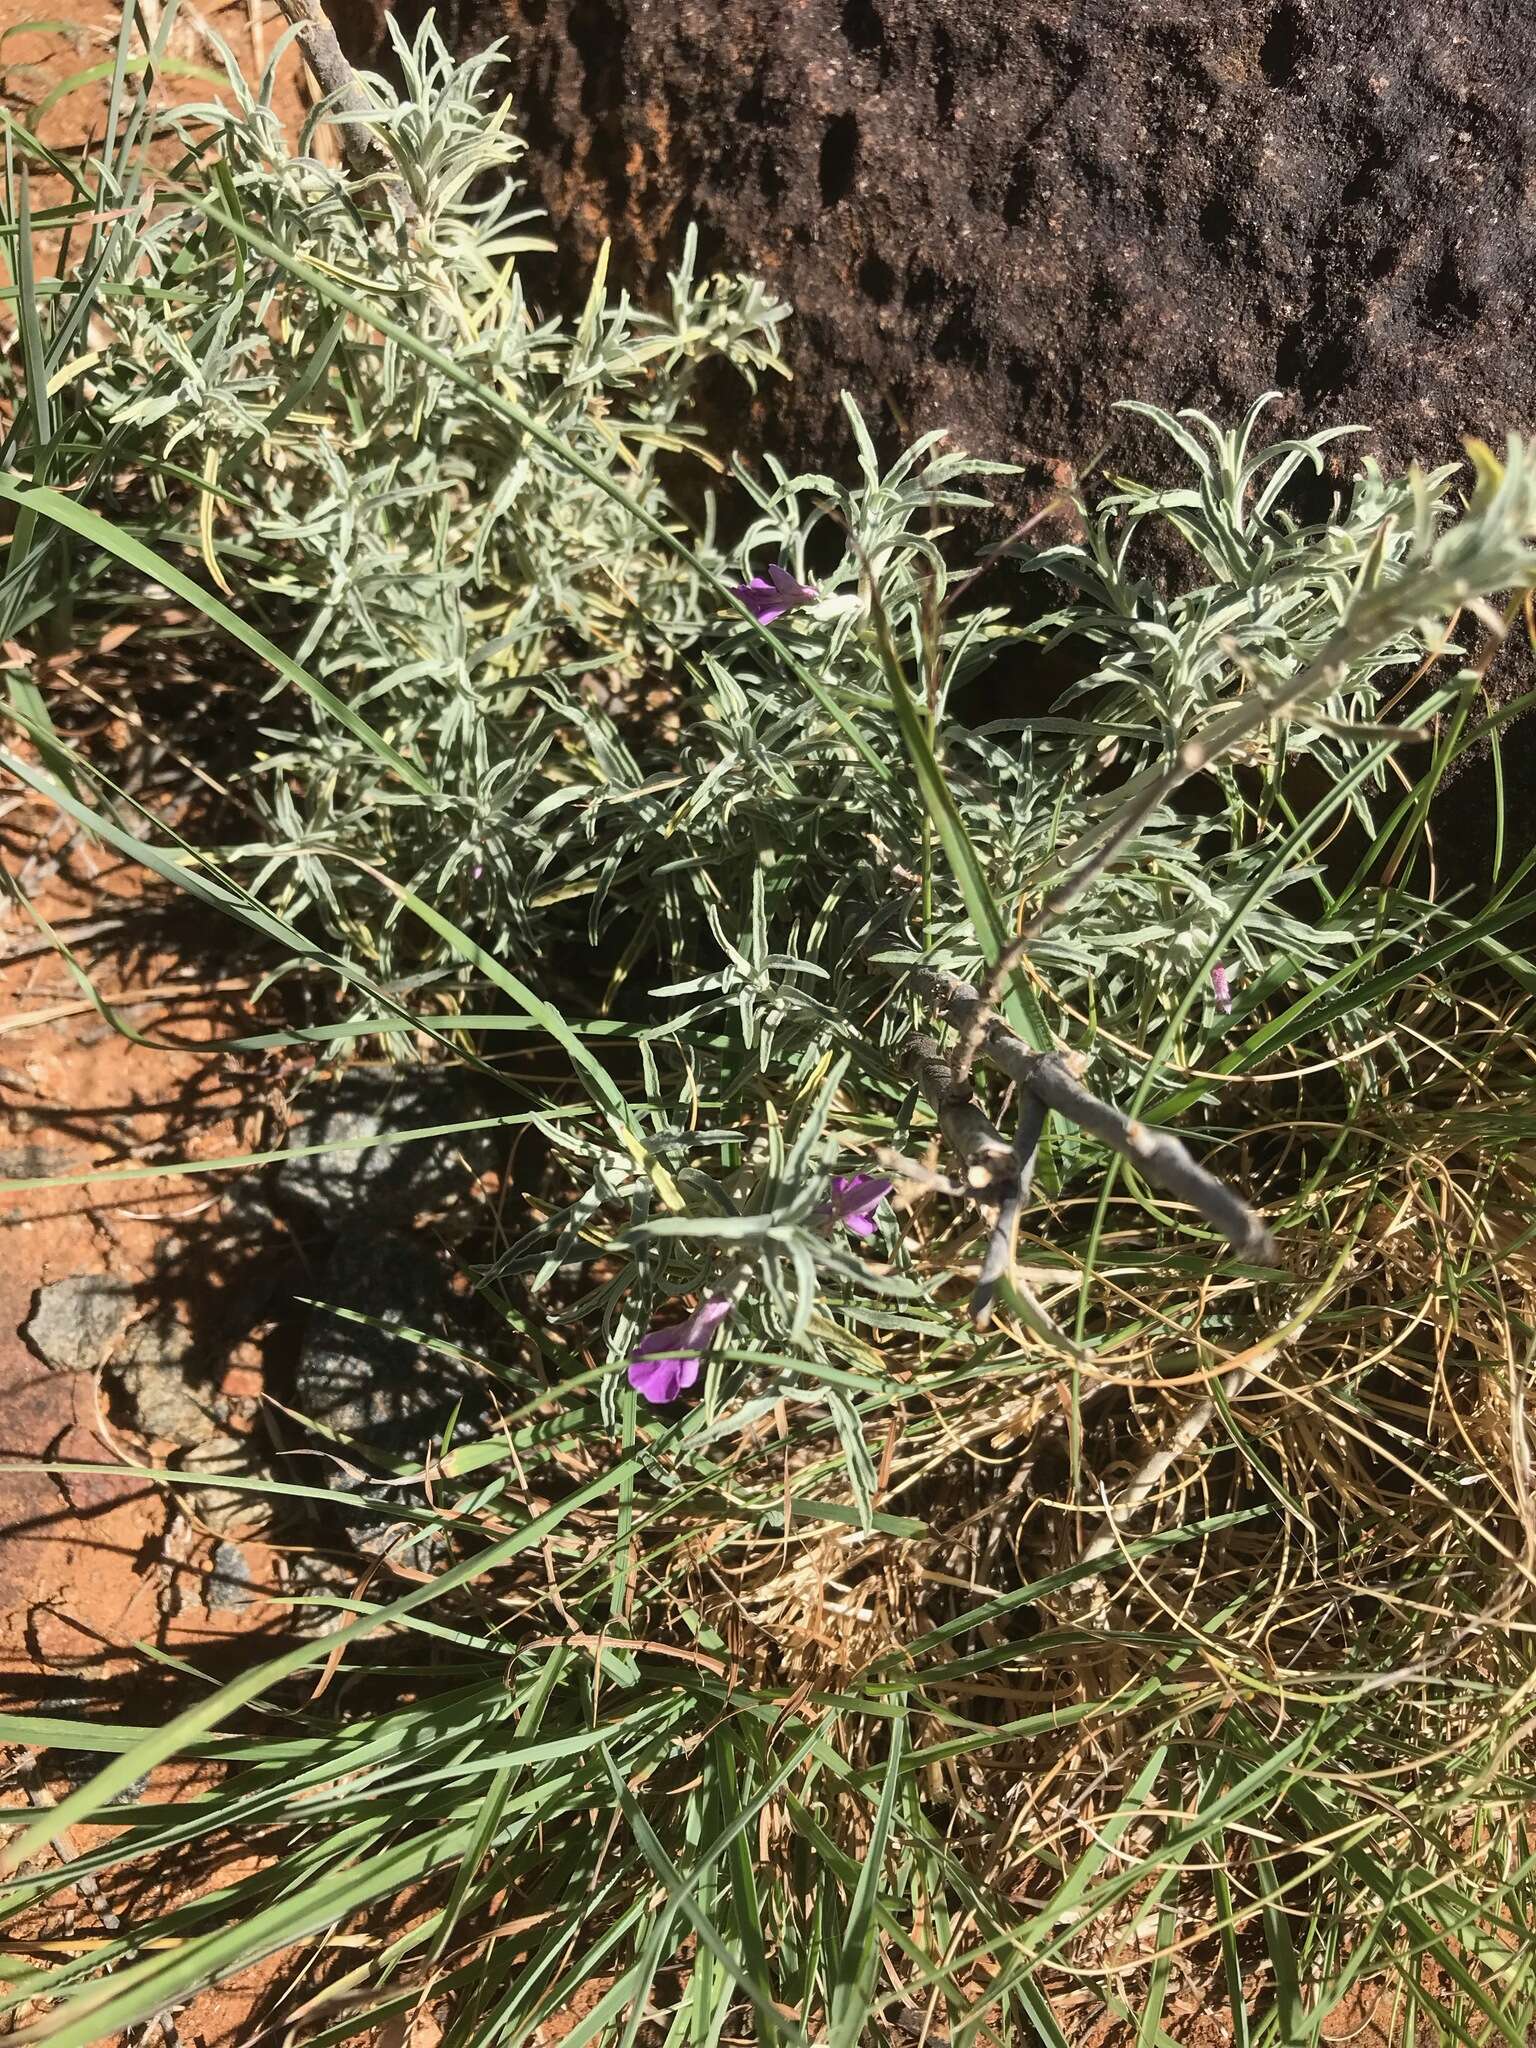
x: 893, y: 1686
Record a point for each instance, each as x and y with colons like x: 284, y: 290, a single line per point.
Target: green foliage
x: 519, y: 634
x: 796, y: 1712
x: 431, y: 563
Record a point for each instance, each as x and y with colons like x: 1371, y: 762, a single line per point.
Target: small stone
x: 376, y: 1383
x: 229, y: 1585
x: 418, y: 1549
x: 74, y: 1323
x: 151, y: 1378
x: 32, y: 1161
x: 226, y: 1510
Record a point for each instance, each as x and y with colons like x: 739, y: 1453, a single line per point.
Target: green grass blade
x: 679, y: 1892
x: 201, y: 1719
x: 90, y: 526
x: 853, y: 1972
x: 1020, y: 1004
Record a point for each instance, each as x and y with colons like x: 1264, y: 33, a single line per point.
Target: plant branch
x: 1163, y: 1158
x: 1485, y: 551
x: 1002, y: 1246
x: 338, y: 85
x: 991, y: 1170
x: 998, y: 1176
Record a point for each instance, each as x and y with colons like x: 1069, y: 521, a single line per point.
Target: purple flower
x: 855, y: 1198
x: 1221, y: 988
x: 769, y: 597
x: 668, y: 1360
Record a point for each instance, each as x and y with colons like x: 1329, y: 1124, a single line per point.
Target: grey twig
x: 1026, y: 1140
x: 991, y: 1171
x: 1158, y: 1154
x: 1381, y: 609
x: 1002, y: 1246
x: 1061, y: 898
x: 997, y: 1174
x: 338, y: 84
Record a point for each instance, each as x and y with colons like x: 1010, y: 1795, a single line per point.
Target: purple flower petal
x: 669, y: 1359
x: 1221, y: 988
x: 855, y: 1198
x: 770, y: 597
x: 662, y: 1379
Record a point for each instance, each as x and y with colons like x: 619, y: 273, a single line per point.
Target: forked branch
x: 1161, y: 1157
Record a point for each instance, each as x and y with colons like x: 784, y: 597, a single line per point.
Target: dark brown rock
x: 226, y: 1510
x: 1000, y: 217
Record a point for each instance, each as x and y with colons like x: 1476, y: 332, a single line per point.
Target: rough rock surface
x: 368, y: 1381
x: 229, y: 1584
x: 75, y: 1322
x: 387, y: 1185
x: 226, y: 1510
x: 154, y: 1379
x: 1001, y: 217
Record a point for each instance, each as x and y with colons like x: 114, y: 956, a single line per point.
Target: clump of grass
x: 1159, y: 1651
